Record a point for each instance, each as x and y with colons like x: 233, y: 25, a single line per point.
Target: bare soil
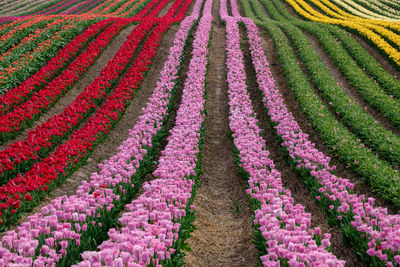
x: 86, y: 79
x: 290, y: 179
x: 373, y: 51
x: 223, y: 235
x: 165, y: 9
x: 291, y: 10
x: 121, y: 131
x: 362, y: 187
x: 350, y: 90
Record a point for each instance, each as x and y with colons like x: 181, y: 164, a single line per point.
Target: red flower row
x: 69, y: 155
x: 23, y: 115
x: 21, y: 154
x: 17, y: 95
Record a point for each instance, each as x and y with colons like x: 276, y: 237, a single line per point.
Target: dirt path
x: 86, y: 79
x: 290, y: 179
x: 374, y: 52
x: 361, y: 187
x: 165, y: 9
x: 223, y: 235
x: 350, y: 90
x: 121, y: 131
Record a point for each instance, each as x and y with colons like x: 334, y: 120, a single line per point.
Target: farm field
x: 199, y: 133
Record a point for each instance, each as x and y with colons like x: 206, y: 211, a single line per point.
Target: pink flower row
x: 374, y: 223
x: 150, y: 228
x: 284, y: 225
x: 67, y: 218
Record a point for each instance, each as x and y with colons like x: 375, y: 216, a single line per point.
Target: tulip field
x: 199, y: 133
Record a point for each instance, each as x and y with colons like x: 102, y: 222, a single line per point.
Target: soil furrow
x: 350, y: 90
x: 290, y: 179
x: 109, y: 146
x: 374, y: 52
x: 165, y: 9
x: 362, y: 187
x: 224, y: 232
x: 86, y: 79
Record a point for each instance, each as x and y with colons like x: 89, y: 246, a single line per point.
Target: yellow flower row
x: 387, y: 10
x: 361, y: 11
x: 353, y: 22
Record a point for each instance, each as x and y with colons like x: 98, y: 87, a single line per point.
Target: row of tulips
x: 17, y: 95
x: 371, y: 133
x: 373, y: 33
x: 387, y: 81
x: 157, y: 222
x: 54, y: 169
x: 51, y: 133
x: 349, y: 147
x: 27, y: 64
x: 23, y: 115
x: 17, y: 8
x: 77, y: 8
x: 83, y: 7
x: 20, y: 155
x: 125, y: 7
x: 285, y: 227
x: 107, y: 190
x: 372, y: 232
x: 30, y: 42
x: 12, y: 33
x: 58, y: 7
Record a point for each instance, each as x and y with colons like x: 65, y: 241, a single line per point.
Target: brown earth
x: 290, y: 179
x: 350, y: 90
x: 362, y: 187
x: 110, y: 145
x: 86, y: 79
x: 374, y: 52
x: 223, y: 235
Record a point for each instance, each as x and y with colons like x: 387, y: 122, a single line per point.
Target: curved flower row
x: 23, y: 115
x: 19, y: 156
x: 32, y: 40
x: 17, y: 95
x: 285, y: 226
x: 23, y: 66
x: 19, y: 27
x: 364, y: 28
x: 90, y: 6
x: 155, y: 220
x: 82, y: 140
x: 108, y: 188
x: 84, y: 5
x: 370, y: 229
x: 59, y: 7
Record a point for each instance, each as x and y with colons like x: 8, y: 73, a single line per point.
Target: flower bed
x: 110, y: 188
x: 285, y: 227
x: 158, y: 220
x: 25, y: 114
x: 21, y: 93
x: 371, y: 231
